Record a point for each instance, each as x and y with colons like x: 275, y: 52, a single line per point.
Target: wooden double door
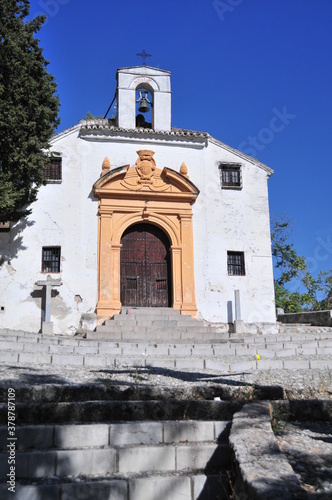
x: 145, y: 267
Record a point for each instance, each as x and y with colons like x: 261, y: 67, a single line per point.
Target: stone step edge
x: 220, y: 363
x: 15, y: 336
x: 53, y: 392
x: 63, y: 463
x: 286, y: 349
x: 50, y: 437
x: 152, y: 350
x: 130, y: 487
x: 115, y: 476
x: 116, y: 447
x: 120, y: 349
x: 175, y: 425
x: 100, y: 411
x: 98, y: 346
x: 153, y: 331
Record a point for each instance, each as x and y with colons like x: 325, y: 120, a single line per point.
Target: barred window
x: 51, y: 259
x: 53, y: 170
x: 230, y: 176
x: 235, y: 264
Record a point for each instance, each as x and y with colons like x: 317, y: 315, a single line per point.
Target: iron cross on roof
x: 143, y: 55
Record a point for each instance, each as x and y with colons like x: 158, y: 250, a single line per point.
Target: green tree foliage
x: 28, y: 109
x: 296, y: 289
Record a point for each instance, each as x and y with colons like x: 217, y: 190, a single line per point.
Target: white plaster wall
x: 235, y: 220
x: 66, y: 215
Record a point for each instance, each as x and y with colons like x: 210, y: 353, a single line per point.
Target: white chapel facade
x: 136, y: 213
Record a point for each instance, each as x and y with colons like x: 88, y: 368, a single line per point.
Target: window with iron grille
x: 53, y: 170
x: 230, y: 176
x: 51, y: 259
x: 235, y: 264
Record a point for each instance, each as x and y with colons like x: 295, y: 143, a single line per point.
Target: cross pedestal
x: 47, y: 325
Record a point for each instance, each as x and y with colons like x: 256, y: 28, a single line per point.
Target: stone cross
x: 238, y: 323
x: 47, y: 325
x: 237, y: 305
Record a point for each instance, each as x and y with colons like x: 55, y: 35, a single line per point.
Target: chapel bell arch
x: 144, y: 194
x: 157, y: 83
x: 144, y: 115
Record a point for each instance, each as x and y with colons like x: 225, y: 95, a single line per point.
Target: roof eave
x: 252, y: 160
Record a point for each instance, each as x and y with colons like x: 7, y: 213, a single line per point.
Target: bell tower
x: 140, y: 90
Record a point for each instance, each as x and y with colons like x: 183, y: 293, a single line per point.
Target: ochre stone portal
x: 162, y: 198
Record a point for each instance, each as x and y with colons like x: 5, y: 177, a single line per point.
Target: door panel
x: 145, y: 268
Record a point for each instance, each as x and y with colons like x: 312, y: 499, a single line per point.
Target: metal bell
x: 144, y: 108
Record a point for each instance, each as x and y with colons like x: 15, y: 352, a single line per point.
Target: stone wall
x: 314, y: 318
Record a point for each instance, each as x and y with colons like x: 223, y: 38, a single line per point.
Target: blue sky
x: 255, y: 74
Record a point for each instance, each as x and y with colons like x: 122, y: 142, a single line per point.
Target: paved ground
x: 308, y: 448
x: 297, y: 384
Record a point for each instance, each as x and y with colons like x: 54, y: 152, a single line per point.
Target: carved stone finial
x: 145, y: 166
x: 106, y: 165
x: 184, y: 170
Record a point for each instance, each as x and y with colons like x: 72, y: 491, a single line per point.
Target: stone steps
x: 100, y: 411
x: 125, y: 434
x: 157, y: 324
x: 94, y: 442
x: 42, y: 394
x: 172, y: 486
x: 160, y: 336
x: 283, y: 351
x: 75, y: 445
x: 109, y: 460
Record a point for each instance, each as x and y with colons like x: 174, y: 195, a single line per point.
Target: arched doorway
x: 145, y: 275
x: 160, y: 200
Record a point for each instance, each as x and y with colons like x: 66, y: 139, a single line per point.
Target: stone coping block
x: 34, y: 492
x: 311, y: 410
x: 110, y: 490
x: 312, y: 318
x: 168, y: 488
x: 262, y: 471
x: 142, y: 458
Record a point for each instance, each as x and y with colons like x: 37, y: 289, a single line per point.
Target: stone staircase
x: 157, y: 325
x: 104, y: 441
x: 294, y: 348
x: 81, y: 447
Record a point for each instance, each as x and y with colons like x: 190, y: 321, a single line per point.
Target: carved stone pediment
x: 144, y: 177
